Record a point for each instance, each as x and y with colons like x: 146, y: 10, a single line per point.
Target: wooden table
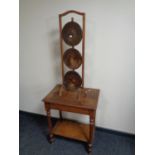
x: 83, y: 101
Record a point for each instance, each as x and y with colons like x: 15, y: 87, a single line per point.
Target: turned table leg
x: 60, y: 114
x: 51, y: 137
x: 91, y: 132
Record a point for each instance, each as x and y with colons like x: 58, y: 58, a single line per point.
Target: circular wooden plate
x: 72, y: 58
x: 72, y: 80
x: 72, y: 33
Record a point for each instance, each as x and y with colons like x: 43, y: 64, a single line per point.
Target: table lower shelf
x: 72, y: 130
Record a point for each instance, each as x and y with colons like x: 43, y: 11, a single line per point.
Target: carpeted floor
x: 33, y: 140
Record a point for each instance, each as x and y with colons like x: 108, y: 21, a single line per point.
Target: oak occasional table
x: 83, y: 101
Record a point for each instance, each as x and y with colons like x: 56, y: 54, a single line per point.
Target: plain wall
x: 109, y: 60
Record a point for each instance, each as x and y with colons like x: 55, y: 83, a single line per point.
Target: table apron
x: 70, y: 109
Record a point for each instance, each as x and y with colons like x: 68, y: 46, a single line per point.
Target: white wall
x: 109, y: 56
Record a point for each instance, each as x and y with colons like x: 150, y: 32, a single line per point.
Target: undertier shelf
x: 72, y: 129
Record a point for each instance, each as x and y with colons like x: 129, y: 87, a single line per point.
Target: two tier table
x: 83, y: 101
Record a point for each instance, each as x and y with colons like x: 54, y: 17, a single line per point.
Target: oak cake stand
x: 71, y: 95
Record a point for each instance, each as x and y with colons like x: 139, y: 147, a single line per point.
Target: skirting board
x: 110, y: 131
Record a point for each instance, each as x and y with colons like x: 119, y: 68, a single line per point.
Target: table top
x: 83, y: 98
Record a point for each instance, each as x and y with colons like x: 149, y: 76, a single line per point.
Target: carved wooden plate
x: 72, y: 58
x: 72, y: 80
x: 72, y: 33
